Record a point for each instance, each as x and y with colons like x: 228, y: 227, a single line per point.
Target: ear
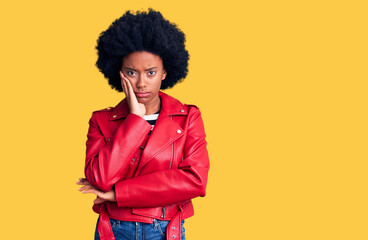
x: 163, y: 74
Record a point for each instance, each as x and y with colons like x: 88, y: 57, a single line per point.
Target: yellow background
x: 282, y: 86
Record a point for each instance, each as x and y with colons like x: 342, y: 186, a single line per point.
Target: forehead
x: 142, y: 59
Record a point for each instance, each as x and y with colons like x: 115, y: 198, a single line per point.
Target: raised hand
x: 134, y: 106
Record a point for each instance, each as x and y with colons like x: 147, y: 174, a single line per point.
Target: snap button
x: 178, y: 131
x: 173, y: 228
x: 133, y: 160
x: 182, y: 110
x: 173, y: 236
x: 114, y: 116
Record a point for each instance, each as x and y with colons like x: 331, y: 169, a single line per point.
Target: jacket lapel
x: 164, y: 133
x: 166, y: 130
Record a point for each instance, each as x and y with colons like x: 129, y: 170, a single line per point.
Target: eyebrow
x: 132, y: 69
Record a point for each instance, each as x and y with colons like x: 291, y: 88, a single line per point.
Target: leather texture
x: 153, y: 176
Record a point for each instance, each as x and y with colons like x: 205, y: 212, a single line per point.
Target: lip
x: 141, y: 94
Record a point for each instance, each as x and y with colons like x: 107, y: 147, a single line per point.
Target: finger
x: 85, y: 187
x: 86, y: 183
x: 130, y: 88
x: 123, y: 75
x: 127, y: 93
x: 93, y: 191
x: 123, y: 83
x: 122, y: 80
x: 89, y: 185
x: 131, y: 93
x: 80, y: 180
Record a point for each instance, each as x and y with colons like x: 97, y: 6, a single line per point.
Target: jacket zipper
x: 163, y: 212
x: 172, y: 151
x: 172, y: 154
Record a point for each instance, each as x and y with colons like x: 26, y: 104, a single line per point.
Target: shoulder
x: 108, y: 109
x: 102, y: 113
x: 174, y: 106
x: 193, y: 111
x: 191, y: 107
x: 188, y: 108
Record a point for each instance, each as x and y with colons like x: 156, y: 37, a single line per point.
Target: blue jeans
x: 125, y: 230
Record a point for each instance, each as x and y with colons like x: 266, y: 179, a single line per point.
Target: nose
x: 141, y: 83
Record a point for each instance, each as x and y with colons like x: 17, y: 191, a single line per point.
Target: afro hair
x: 144, y: 31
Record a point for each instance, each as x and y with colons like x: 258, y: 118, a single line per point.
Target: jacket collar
x: 169, y: 105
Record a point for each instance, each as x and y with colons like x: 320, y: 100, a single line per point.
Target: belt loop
x: 173, y: 229
x: 104, y: 226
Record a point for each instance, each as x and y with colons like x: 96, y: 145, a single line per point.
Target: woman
x: 146, y: 157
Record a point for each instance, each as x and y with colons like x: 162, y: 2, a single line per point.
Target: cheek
x: 158, y: 83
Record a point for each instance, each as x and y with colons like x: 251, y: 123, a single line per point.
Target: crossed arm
x: 163, y: 187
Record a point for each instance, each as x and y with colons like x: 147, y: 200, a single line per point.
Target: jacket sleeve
x: 171, y: 186
x: 106, y: 161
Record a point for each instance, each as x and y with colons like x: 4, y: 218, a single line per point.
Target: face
x: 145, y: 72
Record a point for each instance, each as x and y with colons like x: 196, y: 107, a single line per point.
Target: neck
x: 153, y: 106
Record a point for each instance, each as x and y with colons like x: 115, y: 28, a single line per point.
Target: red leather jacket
x: 154, y: 176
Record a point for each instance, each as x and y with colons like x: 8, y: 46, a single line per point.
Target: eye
x: 151, y: 73
x: 131, y: 73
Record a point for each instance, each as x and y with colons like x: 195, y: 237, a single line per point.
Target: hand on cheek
x: 134, y: 106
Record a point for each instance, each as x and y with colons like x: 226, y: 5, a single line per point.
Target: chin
x: 143, y: 100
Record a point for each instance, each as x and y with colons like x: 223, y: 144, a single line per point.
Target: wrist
x: 113, y: 194
x: 140, y: 115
